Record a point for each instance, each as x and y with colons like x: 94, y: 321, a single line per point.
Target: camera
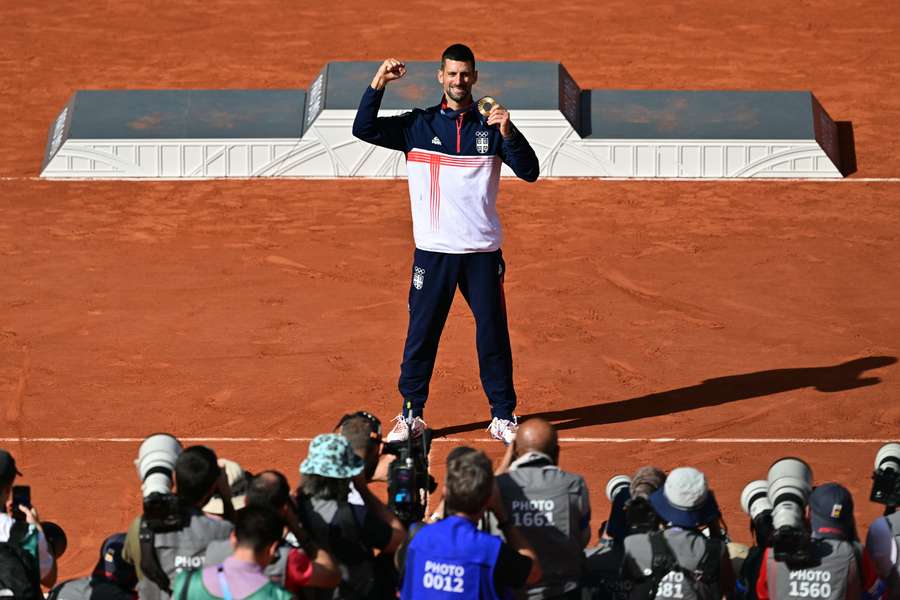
x: 755, y: 502
x: 409, y: 481
x: 886, y: 477
x: 155, y: 464
x: 615, y: 485
x: 789, y: 485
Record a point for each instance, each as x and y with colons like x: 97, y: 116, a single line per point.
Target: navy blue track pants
x: 435, y: 278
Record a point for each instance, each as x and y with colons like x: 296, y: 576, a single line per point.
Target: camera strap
x: 150, y: 566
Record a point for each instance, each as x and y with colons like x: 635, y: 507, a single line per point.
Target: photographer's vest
x: 333, y: 524
x: 603, y: 573
x: 181, y: 550
x: 193, y: 589
x: 541, y: 500
x: 836, y: 576
x: 451, y: 559
x: 695, y: 575
x: 893, y: 581
x: 84, y: 588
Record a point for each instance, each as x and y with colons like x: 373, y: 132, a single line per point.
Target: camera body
x: 409, y: 481
x: 886, y: 477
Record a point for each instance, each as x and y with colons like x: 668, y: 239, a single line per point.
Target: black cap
x: 831, y: 512
x: 8, y: 470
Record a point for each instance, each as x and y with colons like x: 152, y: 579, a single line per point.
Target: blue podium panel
x: 711, y: 115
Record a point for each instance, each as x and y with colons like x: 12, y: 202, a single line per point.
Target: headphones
x: 374, y: 423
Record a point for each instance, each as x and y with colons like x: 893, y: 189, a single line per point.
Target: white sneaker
x: 400, y: 432
x: 504, y: 430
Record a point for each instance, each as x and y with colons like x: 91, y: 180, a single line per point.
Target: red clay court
x: 717, y: 314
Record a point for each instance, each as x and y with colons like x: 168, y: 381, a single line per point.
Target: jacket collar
x: 532, y: 459
x: 453, y: 114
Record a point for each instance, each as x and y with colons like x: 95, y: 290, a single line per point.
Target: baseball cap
x: 831, y: 512
x: 330, y: 455
x: 112, y: 567
x: 685, y: 499
x: 8, y: 470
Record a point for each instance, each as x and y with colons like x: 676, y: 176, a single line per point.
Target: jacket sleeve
x: 519, y: 155
x: 387, y: 132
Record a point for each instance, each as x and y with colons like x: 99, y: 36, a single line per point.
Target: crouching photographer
x: 172, y: 534
x: 883, y: 538
x: 815, y: 557
x: 688, y: 558
x: 630, y: 513
x: 755, y: 502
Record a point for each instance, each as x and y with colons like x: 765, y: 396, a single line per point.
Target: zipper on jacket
x: 459, y: 121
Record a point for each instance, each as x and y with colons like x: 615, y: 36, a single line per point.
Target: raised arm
x: 387, y: 132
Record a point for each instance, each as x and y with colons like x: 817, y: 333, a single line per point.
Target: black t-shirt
x: 511, y: 570
x: 375, y: 532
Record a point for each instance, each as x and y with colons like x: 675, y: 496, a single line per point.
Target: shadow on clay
x: 711, y: 392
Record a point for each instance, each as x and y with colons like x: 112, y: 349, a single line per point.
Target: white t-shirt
x: 46, y: 559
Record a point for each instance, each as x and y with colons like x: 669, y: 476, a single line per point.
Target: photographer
x: 324, y: 508
x: 111, y: 579
x: 680, y: 561
x: 298, y: 562
x: 452, y: 555
x: 549, y: 506
x: 836, y: 569
x: 159, y: 554
x: 883, y: 538
x: 26, y: 559
x: 630, y: 513
x: 256, y: 537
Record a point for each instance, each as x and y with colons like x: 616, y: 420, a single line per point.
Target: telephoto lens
x: 615, y: 485
x: 886, y: 477
x: 755, y: 502
x: 790, y: 483
x: 156, y: 462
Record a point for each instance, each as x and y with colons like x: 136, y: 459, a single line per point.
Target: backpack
x: 20, y: 572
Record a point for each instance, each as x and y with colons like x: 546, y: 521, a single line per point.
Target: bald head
x: 537, y: 435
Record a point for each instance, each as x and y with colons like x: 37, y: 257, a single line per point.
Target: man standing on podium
x: 453, y: 159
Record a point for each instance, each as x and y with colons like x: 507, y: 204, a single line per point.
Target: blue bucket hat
x: 685, y: 500
x: 330, y: 455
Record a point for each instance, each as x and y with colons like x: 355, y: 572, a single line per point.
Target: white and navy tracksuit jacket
x: 453, y: 161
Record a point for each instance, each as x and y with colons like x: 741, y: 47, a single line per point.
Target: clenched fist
x: 390, y: 70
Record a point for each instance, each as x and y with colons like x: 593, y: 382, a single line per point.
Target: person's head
x: 329, y: 465
x: 196, y: 472
x: 8, y: 472
x: 685, y: 500
x: 363, y: 432
x: 112, y: 567
x: 537, y: 435
x: 257, y: 530
x: 269, y: 489
x: 469, y: 483
x: 457, y: 74
x: 831, y: 513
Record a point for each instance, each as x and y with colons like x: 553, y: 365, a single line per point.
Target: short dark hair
x: 324, y: 488
x: 459, y: 52
x: 470, y: 481
x: 258, y: 528
x: 269, y: 489
x: 196, y: 471
x: 359, y: 432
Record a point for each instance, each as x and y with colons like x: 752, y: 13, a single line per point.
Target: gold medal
x: 486, y: 104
